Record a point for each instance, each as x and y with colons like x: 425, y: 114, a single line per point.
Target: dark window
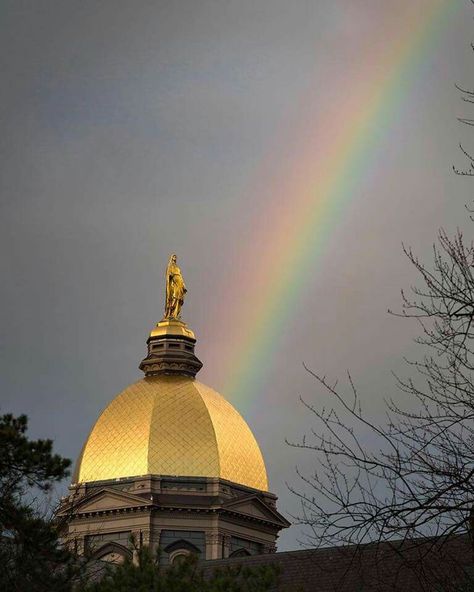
x: 251, y: 547
x: 179, y: 557
x: 240, y: 553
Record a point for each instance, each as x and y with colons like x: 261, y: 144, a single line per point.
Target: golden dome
x: 171, y: 425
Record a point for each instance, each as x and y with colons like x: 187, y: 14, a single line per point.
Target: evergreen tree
x: 146, y: 575
x: 30, y: 556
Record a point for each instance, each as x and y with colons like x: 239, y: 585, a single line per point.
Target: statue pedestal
x: 171, y: 350
x: 172, y: 327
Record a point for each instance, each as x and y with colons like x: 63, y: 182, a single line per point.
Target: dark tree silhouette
x: 467, y: 96
x: 189, y: 576
x: 30, y: 556
x: 417, y: 477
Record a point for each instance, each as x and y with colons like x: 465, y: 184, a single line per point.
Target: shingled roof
x: 422, y: 565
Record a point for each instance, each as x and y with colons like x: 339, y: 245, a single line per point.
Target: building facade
x: 172, y: 465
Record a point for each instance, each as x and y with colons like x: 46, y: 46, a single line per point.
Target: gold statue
x: 175, y: 290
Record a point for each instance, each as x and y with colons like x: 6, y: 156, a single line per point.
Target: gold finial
x: 175, y: 290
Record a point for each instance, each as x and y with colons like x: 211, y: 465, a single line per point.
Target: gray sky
x: 133, y: 129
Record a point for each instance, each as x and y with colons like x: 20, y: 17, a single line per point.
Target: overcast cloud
x: 133, y: 129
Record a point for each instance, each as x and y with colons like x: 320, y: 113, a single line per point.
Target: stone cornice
x: 77, y: 514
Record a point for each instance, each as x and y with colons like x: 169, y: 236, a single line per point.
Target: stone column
x: 137, y: 538
x: 77, y: 544
x: 226, y: 545
x: 213, y: 544
x: 145, y: 538
x: 154, y: 540
x: 270, y: 548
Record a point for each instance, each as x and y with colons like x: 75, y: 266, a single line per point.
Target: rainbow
x: 329, y: 159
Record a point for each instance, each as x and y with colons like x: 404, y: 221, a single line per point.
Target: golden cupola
x: 171, y: 425
x: 168, y: 423
x: 170, y: 464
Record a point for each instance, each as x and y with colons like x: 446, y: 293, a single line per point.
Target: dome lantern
x: 171, y: 350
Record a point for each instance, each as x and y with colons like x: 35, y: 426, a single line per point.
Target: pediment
x: 110, y: 499
x: 254, y: 507
x: 251, y: 509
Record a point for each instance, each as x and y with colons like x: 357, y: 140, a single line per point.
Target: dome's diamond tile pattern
x: 182, y: 440
x: 240, y: 457
x: 118, y: 443
x: 171, y: 425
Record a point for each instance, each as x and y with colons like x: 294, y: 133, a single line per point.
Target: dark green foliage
x: 26, y: 463
x: 30, y: 557
x: 146, y: 575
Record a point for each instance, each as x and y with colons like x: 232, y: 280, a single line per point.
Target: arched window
x: 112, y: 553
x: 240, y: 553
x: 178, y: 556
x: 179, y: 550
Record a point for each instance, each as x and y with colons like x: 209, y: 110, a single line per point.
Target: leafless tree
x: 467, y: 96
x: 412, y: 475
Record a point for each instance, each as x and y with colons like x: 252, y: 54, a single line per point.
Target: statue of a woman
x: 175, y: 290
